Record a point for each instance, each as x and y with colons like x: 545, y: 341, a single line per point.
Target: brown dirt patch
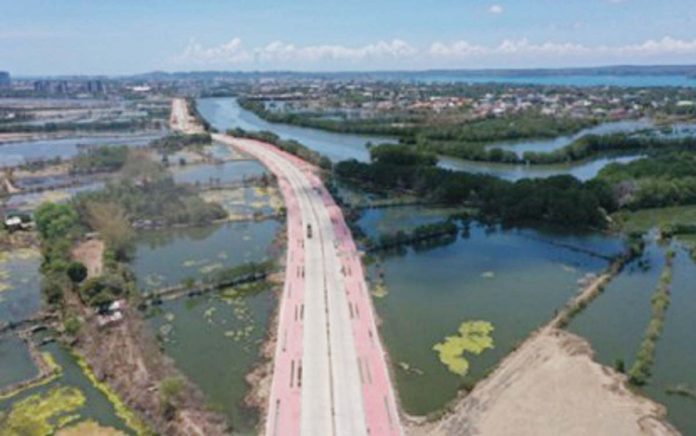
x: 89, y: 428
x: 552, y: 386
x: 90, y: 253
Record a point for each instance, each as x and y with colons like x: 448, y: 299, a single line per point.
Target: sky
x: 50, y: 37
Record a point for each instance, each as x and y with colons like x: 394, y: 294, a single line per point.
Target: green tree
x: 55, y: 220
x: 77, y: 272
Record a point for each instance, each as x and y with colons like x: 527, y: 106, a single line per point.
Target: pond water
x: 16, y: 361
x: 511, y: 278
x: 618, y: 337
x: 96, y: 407
x: 247, y: 202
x: 376, y: 222
x: 17, y: 153
x: 20, y: 284
x: 226, y: 172
x: 215, y: 340
x: 31, y: 201
x: 166, y: 257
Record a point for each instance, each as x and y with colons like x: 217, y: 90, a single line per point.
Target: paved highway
x: 330, y: 373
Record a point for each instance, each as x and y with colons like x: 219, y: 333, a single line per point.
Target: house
x: 16, y: 220
x: 13, y: 223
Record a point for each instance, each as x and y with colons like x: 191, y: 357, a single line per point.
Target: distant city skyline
x: 41, y: 37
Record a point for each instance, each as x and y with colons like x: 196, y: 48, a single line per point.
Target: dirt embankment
x: 552, y: 386
x: 128, y: 358
x: 260, y: 377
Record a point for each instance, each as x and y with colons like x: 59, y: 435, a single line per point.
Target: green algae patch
x: 122, y: 410
x: 474, y: 337
x: 42, y: 413
x: 380, y: 290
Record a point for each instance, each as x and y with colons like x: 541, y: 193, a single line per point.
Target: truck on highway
x: 309, y: 231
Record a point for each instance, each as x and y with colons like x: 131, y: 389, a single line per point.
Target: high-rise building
x: 95, y: 86
x: 4, y: 79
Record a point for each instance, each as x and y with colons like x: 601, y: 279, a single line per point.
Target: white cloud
x: 230, y: 52
x: 233, y: 52
x: 523, y: 47
x: 398, y: 53
x: 496, y: 9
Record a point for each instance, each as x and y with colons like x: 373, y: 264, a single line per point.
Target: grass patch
x: 643, y: 220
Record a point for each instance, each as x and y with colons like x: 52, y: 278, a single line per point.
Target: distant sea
x: 633, y: 81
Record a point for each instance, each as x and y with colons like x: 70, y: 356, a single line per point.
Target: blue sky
x: 131, y: 36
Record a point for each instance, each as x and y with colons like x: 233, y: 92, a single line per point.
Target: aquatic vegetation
x: 165, y: 330
x: 474, y: 337
x: 682, y: 390
x: 239, y: 334
x: 193, y: 262
x: 6, y: 271
x: 568, y: 268
x: 67, y: 420
x: 380, y: 290
x: 207, y: 269
x: 42, y: 414
x: 24, y: 254
x: 122, y: 410
x: 488, y: 275
x: 640, y: 371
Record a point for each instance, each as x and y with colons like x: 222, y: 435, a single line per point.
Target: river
x: 225, y: 113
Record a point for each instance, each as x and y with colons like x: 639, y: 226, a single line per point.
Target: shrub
x: 77, y: 272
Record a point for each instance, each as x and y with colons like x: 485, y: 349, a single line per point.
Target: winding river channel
x: 225, y: 113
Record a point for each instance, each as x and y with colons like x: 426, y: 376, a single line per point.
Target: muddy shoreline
x: 260, y: 377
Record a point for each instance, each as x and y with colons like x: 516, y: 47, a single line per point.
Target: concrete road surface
x: 330, y: 373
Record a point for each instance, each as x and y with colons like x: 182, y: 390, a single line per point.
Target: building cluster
x: 69, y: 87
x: 383, y: 99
